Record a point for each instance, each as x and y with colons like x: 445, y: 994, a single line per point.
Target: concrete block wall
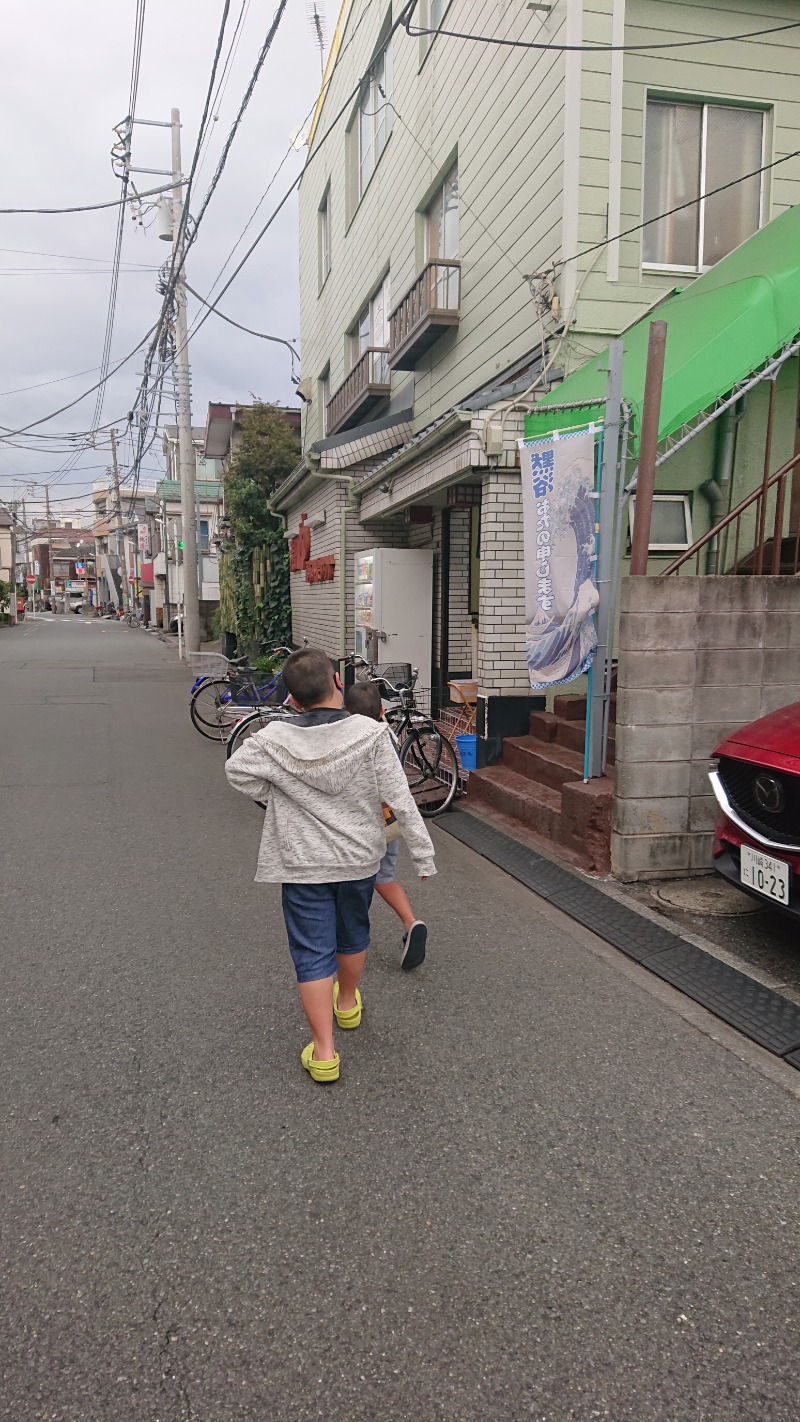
x: 502, y: 665
x: 698, y: 656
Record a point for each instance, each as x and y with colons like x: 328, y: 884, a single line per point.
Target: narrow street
x: 541, y: 1190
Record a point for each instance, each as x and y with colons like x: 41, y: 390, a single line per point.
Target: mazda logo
x: 768, y: 794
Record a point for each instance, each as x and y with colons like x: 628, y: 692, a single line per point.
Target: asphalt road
x: 537, y: 1192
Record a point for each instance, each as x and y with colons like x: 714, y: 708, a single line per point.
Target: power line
x: 261, y: 334
x: 224, y: 79
x: 418, y: 32
x: 85, y: 207
x: 44, y: 419
x: 138, y: 37
x: 291, y: 149
x: 212, y: 305
x: 462, y: 200
x: 69, y: 256
x: 630, y: 231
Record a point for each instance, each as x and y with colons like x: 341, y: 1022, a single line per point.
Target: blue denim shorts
x: 323, y: 920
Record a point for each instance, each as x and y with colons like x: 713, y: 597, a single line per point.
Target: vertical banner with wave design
x: 558, y: 510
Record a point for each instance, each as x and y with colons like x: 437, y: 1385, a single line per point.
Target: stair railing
x: 784, y: 550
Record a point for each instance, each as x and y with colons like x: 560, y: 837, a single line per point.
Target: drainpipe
x: 718, y: 488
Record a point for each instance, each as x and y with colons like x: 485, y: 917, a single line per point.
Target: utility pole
x: 50, y: 572
x: 165, y: 546
x: 118, y: 515
x: 648, y: 447
x: 186, y: 461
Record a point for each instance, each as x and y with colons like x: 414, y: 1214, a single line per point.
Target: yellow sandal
x: 351, y: 1017
x: 319, y: 1071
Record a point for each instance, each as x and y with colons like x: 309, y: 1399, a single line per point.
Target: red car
x: 757, y: 785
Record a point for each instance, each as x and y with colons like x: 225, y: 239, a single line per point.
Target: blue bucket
x: 467, y: 751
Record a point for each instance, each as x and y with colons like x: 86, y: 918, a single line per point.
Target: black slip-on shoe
x: 414, y: 946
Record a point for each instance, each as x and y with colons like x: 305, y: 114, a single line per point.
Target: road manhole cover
x: 705, y: 896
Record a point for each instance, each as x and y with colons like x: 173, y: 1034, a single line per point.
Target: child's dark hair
x: 308, y: 675
x: 363, y: 698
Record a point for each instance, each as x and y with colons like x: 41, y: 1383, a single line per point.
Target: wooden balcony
x: 428, y: 309
x: 365, y: 386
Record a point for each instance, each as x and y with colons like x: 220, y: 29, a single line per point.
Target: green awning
x: 720, y: 329
x: 207, y: 489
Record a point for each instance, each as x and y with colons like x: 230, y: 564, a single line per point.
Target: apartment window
x: 372, y: 326
x: 370, y: 130
x: 441, y: 220
x: 670, y: 523
x: 203, y: 535
x: 436, y: 12
x: 691, y: 150
x: 324, y: 237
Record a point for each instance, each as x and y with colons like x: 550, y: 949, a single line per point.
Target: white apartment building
x: 451, y: 188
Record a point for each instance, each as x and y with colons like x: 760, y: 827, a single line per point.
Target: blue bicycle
x: 218, y: 703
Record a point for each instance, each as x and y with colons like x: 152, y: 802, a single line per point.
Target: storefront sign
x: 320, y: 570
x: 558, y: 510
x: 300, y: 547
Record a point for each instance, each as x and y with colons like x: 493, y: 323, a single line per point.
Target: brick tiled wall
x: 460, y: 622
x: 502, y: 668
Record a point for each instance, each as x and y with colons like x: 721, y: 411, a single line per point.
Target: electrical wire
x: 462, y: 200
x: 212, y: 305
x: 105, y: 358
x: 9, y: 433
x: 417, y: 32
x: 84, y: 207
x: 261, y: 334
x: 692, y: 202
x: 224, y: 80
x: 69, y: 256
x: 291, y: 148
x: 180, y: 245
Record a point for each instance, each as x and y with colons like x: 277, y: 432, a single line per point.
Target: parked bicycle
x: 133, y: 618
x: 218, y: 703
x: 426, y: 755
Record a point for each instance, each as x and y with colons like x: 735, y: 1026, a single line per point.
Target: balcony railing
x: 365, y: 386
x: 429, y: 307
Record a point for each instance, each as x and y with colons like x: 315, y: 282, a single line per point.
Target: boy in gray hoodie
x: 324, y: 776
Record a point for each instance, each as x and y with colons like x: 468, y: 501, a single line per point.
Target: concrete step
x: 551, y: 730
x: 573, y: 708
x: 504, y: 791
x: 570, y: 708
x: 552, y: 765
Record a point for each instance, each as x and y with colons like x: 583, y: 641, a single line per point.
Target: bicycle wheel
x: 211, y: 708
x: 251, y: 724
x: 431, y: 768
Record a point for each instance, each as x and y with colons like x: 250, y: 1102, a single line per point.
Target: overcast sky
x: 64, y: 83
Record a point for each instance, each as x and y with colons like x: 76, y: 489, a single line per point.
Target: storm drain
x: 756, y: 1011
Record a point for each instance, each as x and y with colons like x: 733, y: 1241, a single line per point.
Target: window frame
x: 380, y: 113
x: 439, y: 195
x: 663, y: 548
x: 366, y: 314
x: 685, y: 101
x: 324, y: 238
x: 426, y: 42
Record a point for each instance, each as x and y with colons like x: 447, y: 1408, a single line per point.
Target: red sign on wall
x: 300, y: 547
x: 320, y: 570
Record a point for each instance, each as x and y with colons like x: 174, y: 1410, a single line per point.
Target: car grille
x: 738, y: 778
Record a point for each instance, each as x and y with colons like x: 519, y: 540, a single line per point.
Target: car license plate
x: 766, y: 875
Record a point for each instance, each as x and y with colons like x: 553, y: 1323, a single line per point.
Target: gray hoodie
x: 323, y: 787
